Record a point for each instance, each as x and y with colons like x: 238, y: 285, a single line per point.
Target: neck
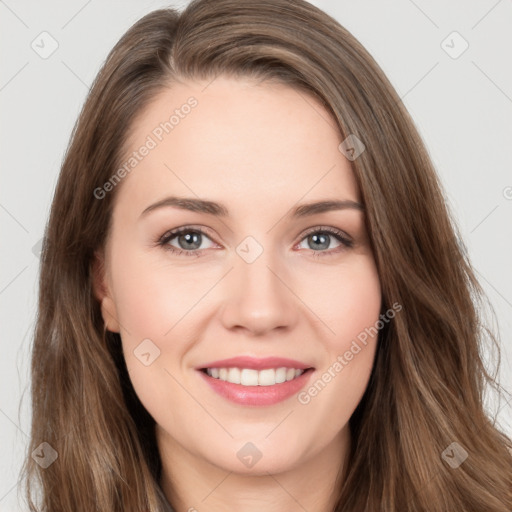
x: 193, y: 484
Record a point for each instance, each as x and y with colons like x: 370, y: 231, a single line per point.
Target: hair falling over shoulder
x: 428, y: 383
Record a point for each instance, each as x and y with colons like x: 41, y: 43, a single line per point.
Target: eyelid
x: 328, y: 229
x: 184, y: 229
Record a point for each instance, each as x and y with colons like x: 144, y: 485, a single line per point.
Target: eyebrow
x: 219, y: 210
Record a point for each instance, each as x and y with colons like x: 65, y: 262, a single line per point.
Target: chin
x: 256, y: 458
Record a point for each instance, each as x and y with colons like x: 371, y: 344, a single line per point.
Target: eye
x: 188, y: 239
x: 321, y: 238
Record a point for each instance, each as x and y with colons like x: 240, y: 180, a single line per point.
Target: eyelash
x: 164, y: 240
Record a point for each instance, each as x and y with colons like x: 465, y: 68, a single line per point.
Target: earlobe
x: 102, y: 293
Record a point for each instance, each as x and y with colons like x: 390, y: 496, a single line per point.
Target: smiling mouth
x: 252, y: 377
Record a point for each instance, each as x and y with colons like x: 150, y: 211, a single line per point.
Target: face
x: 259, y: 276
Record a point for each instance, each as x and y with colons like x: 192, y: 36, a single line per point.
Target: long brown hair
x: 428, y: 384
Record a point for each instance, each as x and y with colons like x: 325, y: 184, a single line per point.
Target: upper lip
x: 255, y: 363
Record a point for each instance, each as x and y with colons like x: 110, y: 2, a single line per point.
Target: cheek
x: 357, y: 325
x: 149, y: 303
x: 347, y: 300
x: 151, y: 298
x: 351, y: 311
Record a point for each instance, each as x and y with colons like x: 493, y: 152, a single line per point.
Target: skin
x: 260, y: 149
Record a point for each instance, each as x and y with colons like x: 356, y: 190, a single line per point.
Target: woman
x: 268, y: 372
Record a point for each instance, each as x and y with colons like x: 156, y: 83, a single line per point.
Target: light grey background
x: 462, y: 107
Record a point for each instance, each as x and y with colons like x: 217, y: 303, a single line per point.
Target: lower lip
x: 257, y: 395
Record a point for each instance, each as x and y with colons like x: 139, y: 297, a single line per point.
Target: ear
x: 102, y: 292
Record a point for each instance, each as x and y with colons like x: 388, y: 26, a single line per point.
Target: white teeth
x: 234, y: 375
x: 280, y: 375
x: 250, y: 377
x: 267, y: 377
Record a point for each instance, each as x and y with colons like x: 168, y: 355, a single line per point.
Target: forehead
x: 245, y: 143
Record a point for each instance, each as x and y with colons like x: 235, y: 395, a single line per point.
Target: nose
x: 259, y: 297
